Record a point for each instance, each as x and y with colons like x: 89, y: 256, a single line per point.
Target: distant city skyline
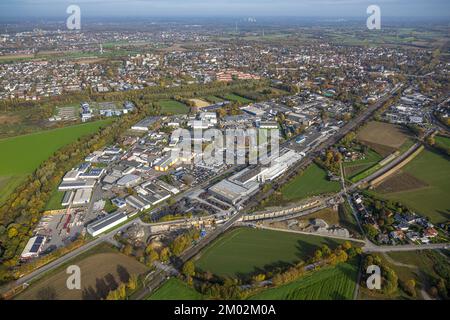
x: 225, y: 8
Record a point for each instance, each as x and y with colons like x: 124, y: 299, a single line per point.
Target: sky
x: 223, y: 8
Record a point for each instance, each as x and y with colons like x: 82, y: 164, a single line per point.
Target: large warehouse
x: 106, y: 223
x: 231, y: 192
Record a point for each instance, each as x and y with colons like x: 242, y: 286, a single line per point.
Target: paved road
x: 408, y: 247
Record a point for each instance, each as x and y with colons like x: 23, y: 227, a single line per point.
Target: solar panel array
x: 37, y: 244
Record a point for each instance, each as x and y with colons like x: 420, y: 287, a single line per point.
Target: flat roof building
x: 144, y: 125
x: 81, y: 197
x: 33, y: 247
x: 67, y: 199
x: 81, y: 184
x: 129, y: 180
x: 106, y: 223
x: 231, y: 192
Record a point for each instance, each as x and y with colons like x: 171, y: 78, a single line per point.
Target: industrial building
x: 129, y: 180
x: 80, y: 184
x: 165, y: 163
x: 232, y: 192
x: 33, y: 247
x: 145, y: 124
x: 81, y: 197
x: 67, y: 199
x: 138, y: 203
x: 106, y: 223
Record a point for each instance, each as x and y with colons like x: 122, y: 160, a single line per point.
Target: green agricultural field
x: 236, y: 98
x: 330, y: 283
x: 312, y: 182
x: 22, y: 155
x: 173, y: 107
x: 432, y: 199
x: 244, y: 251
x: 443, y: 141
x: 55, y: 200
x: 175, y: 289
x: 353, y: 168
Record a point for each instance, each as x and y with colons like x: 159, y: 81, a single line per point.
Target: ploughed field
x: 383, y: 138
x: 102, y: 270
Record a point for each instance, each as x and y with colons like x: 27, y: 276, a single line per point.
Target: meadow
x: 430, y: 196
x: 313, y: 181
x: 175, y: 289
x: 21, y: 155
x: 330, y: 283
x: 244, y: 251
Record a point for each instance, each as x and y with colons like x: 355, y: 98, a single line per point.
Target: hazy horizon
x: 437, y: 9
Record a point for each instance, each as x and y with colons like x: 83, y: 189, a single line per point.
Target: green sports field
x: 175, y: 289
x: 213, y: 99
x: 330, y: 283
x: 21, y: 155
x: 236, y: 98
x: 432, y: 199
x: 173, y: 107
x: 312, y: 182
x: 243, y: 251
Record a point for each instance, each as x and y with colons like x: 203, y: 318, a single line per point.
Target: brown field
x: 200, y: 103
x: 100, y: 273
x: 401, y: 181
x: 16, y: 56
x: 328, y: 215
x: 382, y: 137
x: 89, y: 60
x: 5, y: 119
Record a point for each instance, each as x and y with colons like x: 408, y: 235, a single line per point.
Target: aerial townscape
x: 228, y: 158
